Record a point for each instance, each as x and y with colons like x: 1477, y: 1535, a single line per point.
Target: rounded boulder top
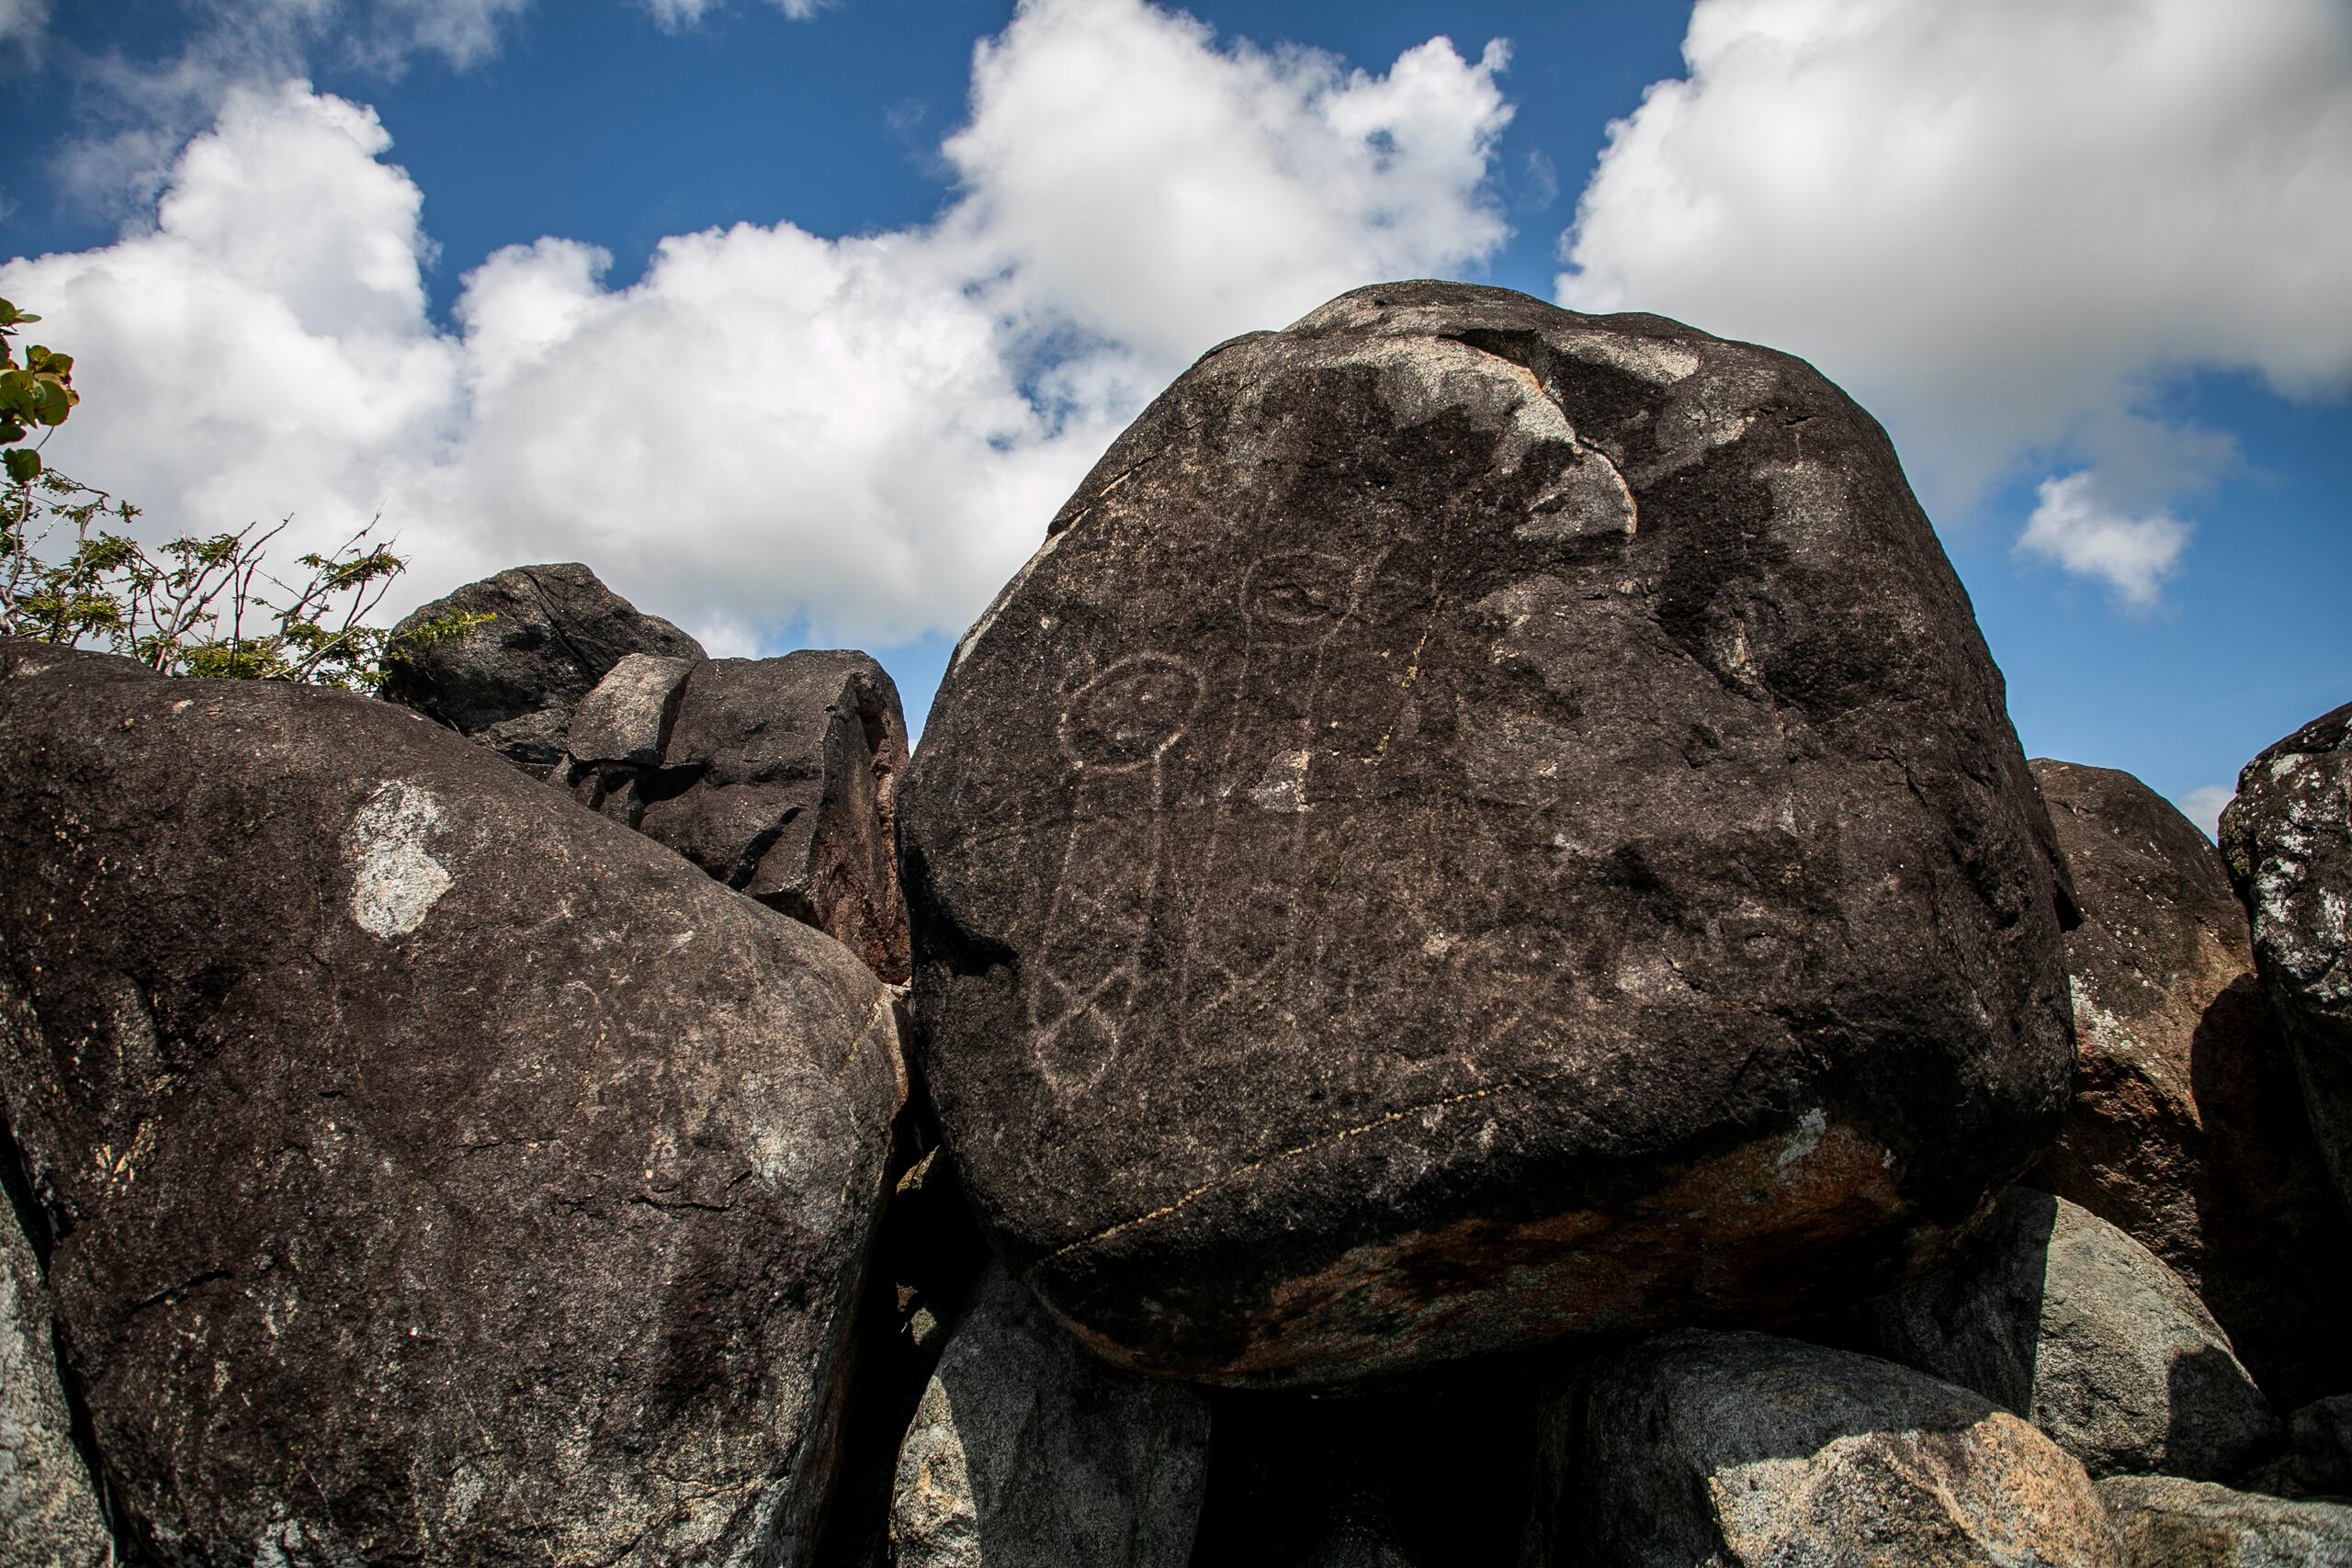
x: 1479, y: 823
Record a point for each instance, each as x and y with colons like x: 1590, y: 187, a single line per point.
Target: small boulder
x: 1699, y: 1449
x: 2056, y: 1315
x: 440, y: 1175
x: 1027, y: 1452
x: 2288, y: 840
x: 510, y: 682
x: 49, y: 1512
x: 1479, y: 823
x: 2164, y: 1521
x: 777, y: 776
x: 2187, y: 1129
x: 625, y: 722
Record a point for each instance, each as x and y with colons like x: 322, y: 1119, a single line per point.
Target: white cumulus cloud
x: 2204, y: 806
x: 1164, y: 192
x: 770, y: 433
x: 2000, y: 224
x: 2074, y: 525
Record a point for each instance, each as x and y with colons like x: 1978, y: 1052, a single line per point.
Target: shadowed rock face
x: 2187, y: 1128
x: 1027, y: 1452
x: 1739, y: 1450
x: 510, y: 682
x: 2288, y: 840
x: 1479, y: 823
x: 438, y: 1173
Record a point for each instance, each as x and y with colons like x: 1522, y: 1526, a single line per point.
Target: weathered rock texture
x: 1027, y: 1452
x: 2187, y: 1127
x: 438, y: 1174
x: 2165, y: 1522
x: 1738, y: 1450
x: 2064, y: 1319
x: 2288, y: 840
x: 1479, y: 822
x: 777, y: 776
x: 49, y: 1512
x: 510, y: 682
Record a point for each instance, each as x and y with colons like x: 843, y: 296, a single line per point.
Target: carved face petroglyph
x: 1128, y: 716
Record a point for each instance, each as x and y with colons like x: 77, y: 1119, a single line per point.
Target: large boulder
x: 2064, y: 1319
x: 1701, y: 1450
x: 510, y: 681
x: 2165, y: 1522
x: 777, y: 776
x: 48, y: 1512
x: 2187, y: 1128
x: 439, y: 1174
x: 1027, y: 1452
x: 2288, y: 840
x: 1479, y: 822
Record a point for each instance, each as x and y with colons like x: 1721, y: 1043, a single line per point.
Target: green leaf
x: 23, y: 464
x: 56, y: 400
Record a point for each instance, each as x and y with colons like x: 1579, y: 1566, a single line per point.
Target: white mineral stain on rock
x: 1807, y: 1138
x: 397, y: 880
x: 1285, y: 786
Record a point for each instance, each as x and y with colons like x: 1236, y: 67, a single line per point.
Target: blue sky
x: 797, y: 321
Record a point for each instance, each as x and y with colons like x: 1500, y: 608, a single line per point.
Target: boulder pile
x: 1468, y: 971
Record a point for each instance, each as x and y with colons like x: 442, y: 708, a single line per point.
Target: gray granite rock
x: 777, y: 776
x: 2288, y: 838
x: 2167, y: 1522
x: 48, y: 1510
x: 440, y: 1175
x: 1479, y: 823
x: 2187, y: 1129
x: 1027, y: 1452
x: 510, y: 682
x: 1699, y: 1449
x: 2060, y: 1316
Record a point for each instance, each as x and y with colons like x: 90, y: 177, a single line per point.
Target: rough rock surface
x: 1738, y: 1450
x: 1027, y: 1452
x: 1481, y: 822
x: 438, y: 1175
x: 2288, y: 840
x: 2055, y: 1314
x: 777, y: 776
x: 510, y: 682
x: 2187, y: 1127
x: 2165, y: 1522
x: 2318, y: 1457
x: 49, y: 1514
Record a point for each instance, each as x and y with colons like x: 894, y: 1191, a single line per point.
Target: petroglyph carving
x: 1116, y: 733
